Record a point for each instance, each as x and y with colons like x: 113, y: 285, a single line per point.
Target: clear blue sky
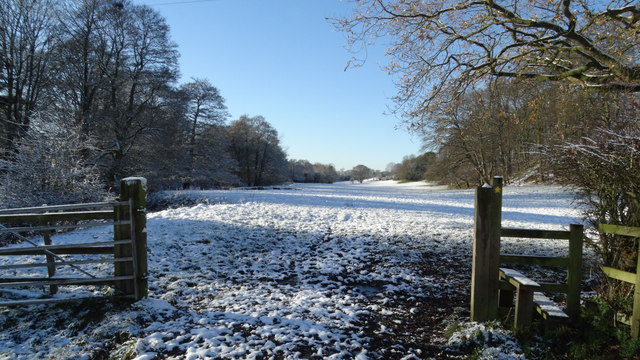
x: 283, y: 60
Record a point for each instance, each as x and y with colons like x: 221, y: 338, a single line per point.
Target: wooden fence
x: 491, y: 284
x: 628, y: 277
x: 127, y: 251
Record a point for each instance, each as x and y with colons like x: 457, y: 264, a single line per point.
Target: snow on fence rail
x: 628, y: 277
x: 493, y: 286
x: 128, y: 247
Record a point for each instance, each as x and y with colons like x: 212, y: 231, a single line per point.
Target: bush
x: 47, y: 167
x: 605, y: 169
x: 600, y: 337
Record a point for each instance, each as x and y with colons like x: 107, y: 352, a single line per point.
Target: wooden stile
x: 488, y: 293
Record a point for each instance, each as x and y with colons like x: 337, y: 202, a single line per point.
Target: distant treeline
x: 513, y: 129
x: 89, y: 94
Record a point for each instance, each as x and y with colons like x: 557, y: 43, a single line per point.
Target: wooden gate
x: 127, y: 250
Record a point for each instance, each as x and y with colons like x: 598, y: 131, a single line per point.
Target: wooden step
x: 548, y: 308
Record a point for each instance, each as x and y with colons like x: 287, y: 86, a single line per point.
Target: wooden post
x: 635, y: 315
x: 486, y: 252
x: 132, y: 191
x: 574, y: 272
x: 51, y: 264
x: 524, y: 309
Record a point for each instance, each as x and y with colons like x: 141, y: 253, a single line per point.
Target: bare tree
x: 414, y: 168
x: 440, y: 47
x: 256, y: 148
x: 107, y: 70
x: 324, y: 173
x: 27, y: 34
x: 301, y: 171
x: 140, y: 66
x: 361, y: 173
x: 79, y: 62
x: 499, y: 129
x: 205, y: 106
x: 214, y: 164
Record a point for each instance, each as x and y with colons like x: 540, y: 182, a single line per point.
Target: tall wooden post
x: 574, y: 276
x: 486, y: 252
x: 133, y: 193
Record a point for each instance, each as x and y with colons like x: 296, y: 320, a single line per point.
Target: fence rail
x: 625, y: 276
x: 535, y: 233
x: 128, y: 247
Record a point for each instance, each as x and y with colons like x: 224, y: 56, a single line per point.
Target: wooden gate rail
x: 50, y: 208
x: 625, y: 276
x: 128, y: 247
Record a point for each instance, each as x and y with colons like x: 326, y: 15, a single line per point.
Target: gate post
x: 574, y: 274
x: 486, y: 251
x: 133, y: 190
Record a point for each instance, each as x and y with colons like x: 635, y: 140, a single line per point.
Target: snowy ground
x: 343, y: 271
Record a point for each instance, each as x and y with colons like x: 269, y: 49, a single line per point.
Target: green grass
x: 595, y: 336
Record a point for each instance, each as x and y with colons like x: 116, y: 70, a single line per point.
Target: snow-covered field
x: 343, y: 271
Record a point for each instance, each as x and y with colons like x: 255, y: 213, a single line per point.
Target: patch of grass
x: 482, y: 340
x: 452, y: 329
x: 125, y: 349
x: 596, y: 336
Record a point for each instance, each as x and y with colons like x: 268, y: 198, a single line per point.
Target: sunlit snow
x: 310, y: 271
